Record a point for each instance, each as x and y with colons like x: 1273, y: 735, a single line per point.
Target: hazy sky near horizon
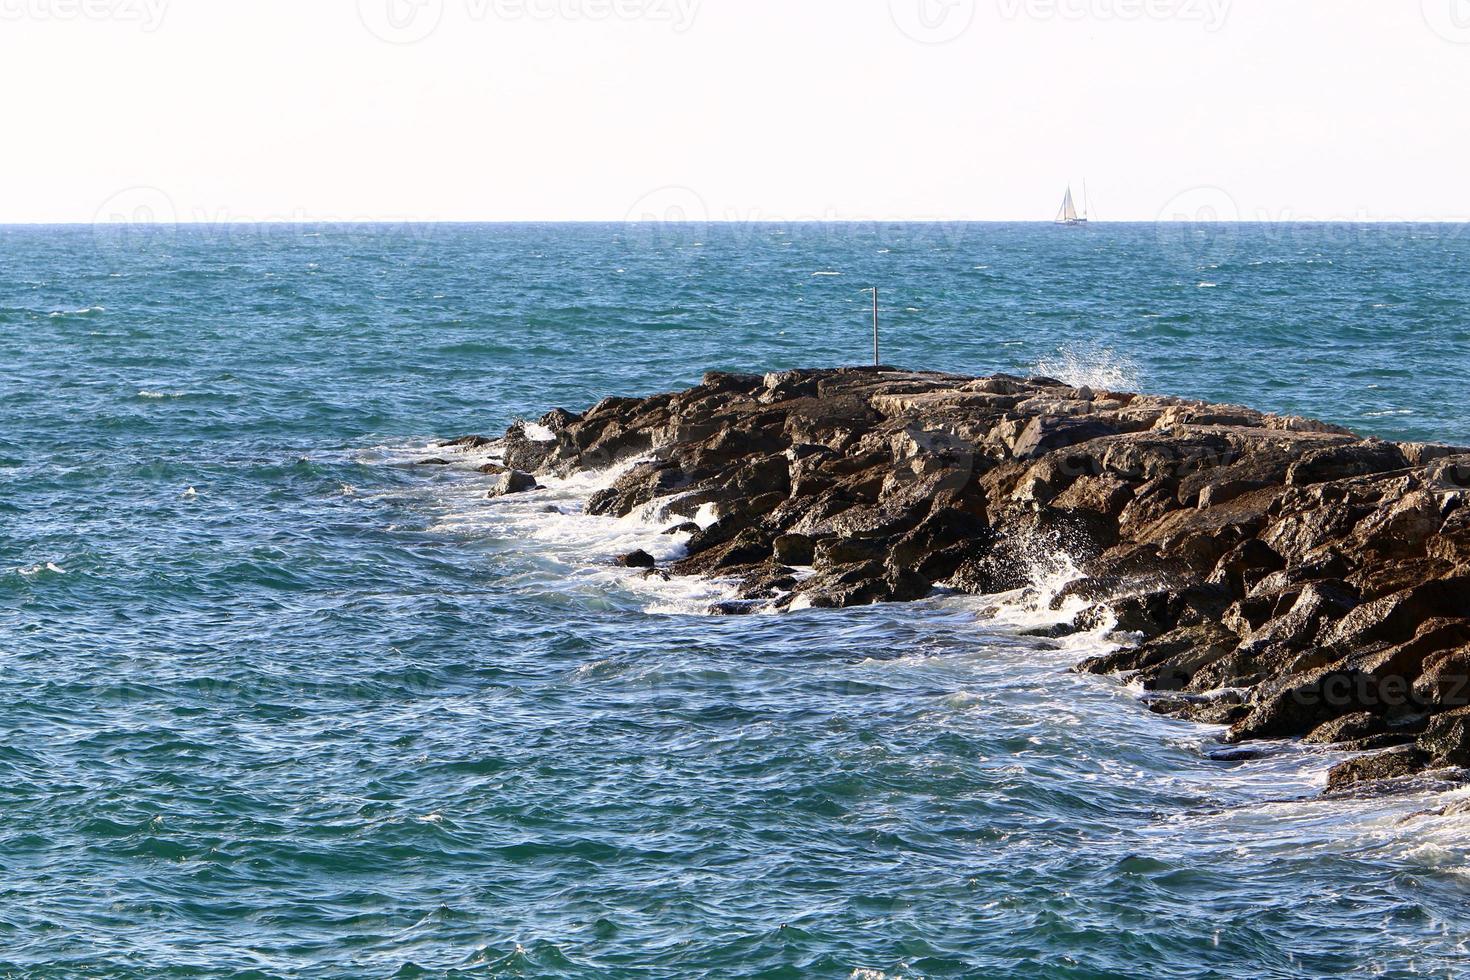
x: 335, y: 110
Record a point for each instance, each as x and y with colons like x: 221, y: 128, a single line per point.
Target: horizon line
x: 292, y: 222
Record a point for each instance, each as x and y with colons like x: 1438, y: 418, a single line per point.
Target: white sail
x: 1068, y: 213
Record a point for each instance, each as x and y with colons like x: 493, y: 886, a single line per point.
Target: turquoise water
x: 276, y: 703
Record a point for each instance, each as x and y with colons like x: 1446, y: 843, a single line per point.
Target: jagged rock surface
x: 1276, y: 574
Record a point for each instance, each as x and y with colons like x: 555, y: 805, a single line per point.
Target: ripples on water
x: 329, y: 714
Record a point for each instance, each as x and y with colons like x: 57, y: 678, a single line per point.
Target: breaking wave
x: 1093, y: 366
x: 556, y: 545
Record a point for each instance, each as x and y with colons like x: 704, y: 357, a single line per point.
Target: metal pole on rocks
x: 876, y: 360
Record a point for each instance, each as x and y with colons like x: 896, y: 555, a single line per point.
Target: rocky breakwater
x: 1275, y: 574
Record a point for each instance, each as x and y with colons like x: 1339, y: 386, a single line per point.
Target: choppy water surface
x: 276, y: 703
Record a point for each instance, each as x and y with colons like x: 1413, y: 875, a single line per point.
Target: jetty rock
x: 1276, y: 574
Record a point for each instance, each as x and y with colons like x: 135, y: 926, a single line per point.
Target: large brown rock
x: 1276, y: 573
x: 1447, y: 740
x: 513, y: 482
x: 1393, y: 764
x: 1349, y: 459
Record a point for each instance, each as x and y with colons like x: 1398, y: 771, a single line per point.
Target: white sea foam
x: 1092, y: 366
x: 554, y: 548
x: 571, y: 550
x: 566, y: 549
x: 410, y: 453
x: 1050, y: 569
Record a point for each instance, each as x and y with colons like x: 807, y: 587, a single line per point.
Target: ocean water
x: 274, y: 702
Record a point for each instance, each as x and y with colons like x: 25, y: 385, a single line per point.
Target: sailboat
x: 1068, y: 214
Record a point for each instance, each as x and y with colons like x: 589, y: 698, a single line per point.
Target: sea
x: 277, y: 702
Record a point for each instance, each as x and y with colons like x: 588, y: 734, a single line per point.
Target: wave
x: 562, y: 548
x: 547, y: 546
x: 559, y: 546
x: 1091, y: 366
x: 46, y: 568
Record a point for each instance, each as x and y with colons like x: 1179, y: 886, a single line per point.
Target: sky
x: 733, y: 110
